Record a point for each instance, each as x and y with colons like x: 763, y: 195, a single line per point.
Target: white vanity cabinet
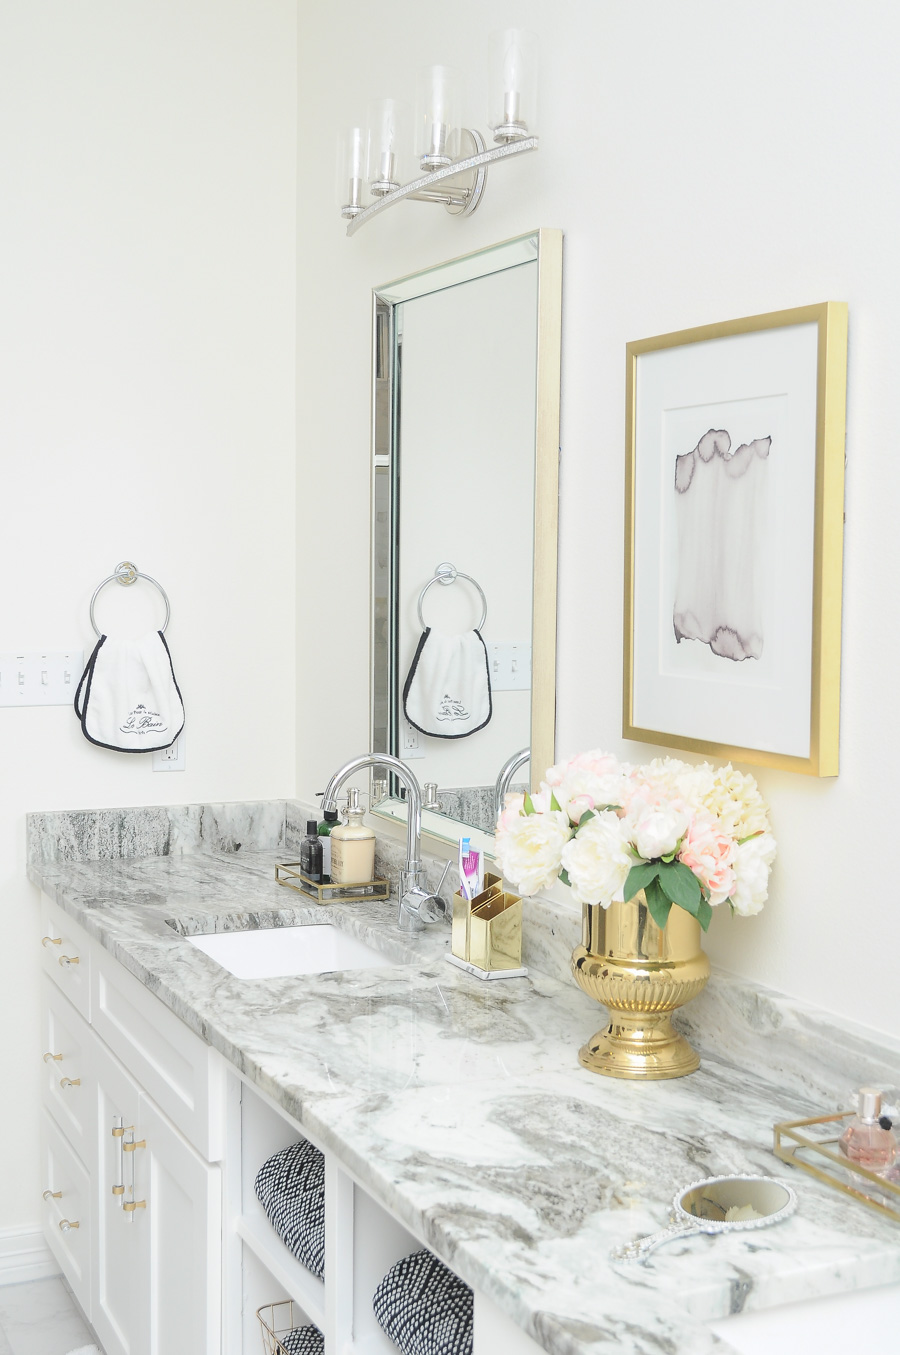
x: 132, y: 1207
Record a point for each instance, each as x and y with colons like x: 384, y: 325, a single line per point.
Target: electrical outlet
x: 410, y: 742
x: 170, y: 759
x: 40, y: 677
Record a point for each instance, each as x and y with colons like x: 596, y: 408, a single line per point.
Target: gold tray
x: 288, y: 873
x: 828, y: 1164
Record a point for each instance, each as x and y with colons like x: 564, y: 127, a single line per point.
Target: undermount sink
x: 276, y: 952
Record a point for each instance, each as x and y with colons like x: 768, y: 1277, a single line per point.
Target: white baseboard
x: 24, y: 1255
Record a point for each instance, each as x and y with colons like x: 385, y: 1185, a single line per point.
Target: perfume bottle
x: 869, y: 1137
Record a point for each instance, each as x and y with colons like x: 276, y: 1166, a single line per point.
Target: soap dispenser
x: 311, y: 853
x: 352, y: 846
x: 325, y: 828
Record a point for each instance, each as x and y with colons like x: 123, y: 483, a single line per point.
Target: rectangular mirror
x: 466, y: 360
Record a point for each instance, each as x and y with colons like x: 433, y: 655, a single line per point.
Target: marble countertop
x: 462, y: 1106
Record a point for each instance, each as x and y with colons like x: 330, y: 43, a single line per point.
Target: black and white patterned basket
x: 424, y: 1308
x: 290, y: 1186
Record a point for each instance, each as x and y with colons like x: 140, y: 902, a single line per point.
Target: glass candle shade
x: 351, y: 171
x: 512, y: 84
x: 388, y: 145
x: 438, y: 98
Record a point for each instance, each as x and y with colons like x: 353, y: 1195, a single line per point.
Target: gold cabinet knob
x: 69, y: 1082
x: 51, y: 941
x: 118, y: 1190
x: 132, y: 1205
x: 66, y: 1224
x: 52, y: 1195
x: 68, y: 960
x: 48, y: 1056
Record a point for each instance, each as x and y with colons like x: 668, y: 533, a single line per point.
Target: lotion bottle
x: 311, y: 853
x: 352, y: 846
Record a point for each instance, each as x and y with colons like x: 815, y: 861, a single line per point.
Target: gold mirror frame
x: 546, y: 245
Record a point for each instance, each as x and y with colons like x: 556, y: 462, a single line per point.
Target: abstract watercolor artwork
x: 733, y: 538
x: 720, y: 503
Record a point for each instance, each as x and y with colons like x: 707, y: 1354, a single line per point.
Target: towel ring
x: 126, y: 573
x: 446, y: 574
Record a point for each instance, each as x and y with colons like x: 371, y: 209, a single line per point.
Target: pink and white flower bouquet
x: 689, y: 836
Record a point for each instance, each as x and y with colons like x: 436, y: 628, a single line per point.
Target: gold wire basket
x: 278, y: 1319
x: 817, y: 1154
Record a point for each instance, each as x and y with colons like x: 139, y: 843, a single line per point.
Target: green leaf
x: 564, y: 876
x: 659, y: 905
x: 680, y: 885
x: 554, y: 803
x: 639, y: 877
x: 528, y: 804
x: 601, y: 809
x: 585, y: 818
x: 704, y: 914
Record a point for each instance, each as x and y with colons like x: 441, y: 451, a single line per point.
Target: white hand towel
x: 128, y: 698
x: 447, y: 692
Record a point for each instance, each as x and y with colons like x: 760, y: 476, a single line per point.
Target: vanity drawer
x: 182, y: 1074
x: 66, y: 955
x: 65, y: 1185
x: 67, y: 1083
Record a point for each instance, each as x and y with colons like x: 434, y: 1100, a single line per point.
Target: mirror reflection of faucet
x: 504, y: 779
x: 418, y: 905
x: 431, y: 800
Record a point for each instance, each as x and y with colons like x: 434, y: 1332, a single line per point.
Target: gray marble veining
x: 461, y: 1105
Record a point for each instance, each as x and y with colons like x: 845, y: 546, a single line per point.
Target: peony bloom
x: 734, y: 799
x: 656, y: 828
x: 710, y: 855
x: 752, y: 863
x: 598, y: 860
x: 529, y: 849
x: 513, y: 803
x: 586, y: 781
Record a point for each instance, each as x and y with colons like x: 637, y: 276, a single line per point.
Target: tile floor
x: 40, y: 1318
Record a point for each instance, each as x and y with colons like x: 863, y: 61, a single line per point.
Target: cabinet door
x: 120, y: 1308
x: 184, y: 1218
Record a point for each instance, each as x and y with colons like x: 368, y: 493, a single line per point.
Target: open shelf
x: 293, y: 1278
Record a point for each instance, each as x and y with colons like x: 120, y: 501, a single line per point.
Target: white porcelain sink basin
x: 276, y: 952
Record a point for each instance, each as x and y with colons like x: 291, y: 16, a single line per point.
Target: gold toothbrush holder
x: 486, y: 938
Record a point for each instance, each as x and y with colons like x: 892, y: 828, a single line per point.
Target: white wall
x: 705, y: 161
x: 147, y: 174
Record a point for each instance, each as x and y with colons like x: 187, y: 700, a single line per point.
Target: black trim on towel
x: 82, y: 714
x: 467, y: 733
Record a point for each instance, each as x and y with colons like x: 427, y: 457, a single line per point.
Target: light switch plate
x: 509, y: 664
x: 40, y: 677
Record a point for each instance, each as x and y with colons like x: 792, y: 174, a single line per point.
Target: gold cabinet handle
x: 66, y: 1224
x: 51, y: 941
x: 52, y: 1195
x: 132, y: 1147
x: 69, y: 1082
x: 68, y: 960
x: 118, y: 1190
x: 48, y: 1056
x: 132, y: 1205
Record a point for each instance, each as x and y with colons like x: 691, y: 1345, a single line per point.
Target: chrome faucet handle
x: 419, y: 907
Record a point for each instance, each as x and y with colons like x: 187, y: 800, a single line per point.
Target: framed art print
x: 734, y: 536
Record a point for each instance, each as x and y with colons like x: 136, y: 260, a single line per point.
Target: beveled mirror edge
x: 546, y: 520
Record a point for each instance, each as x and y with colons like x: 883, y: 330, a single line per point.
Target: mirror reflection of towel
x: 447, y: 693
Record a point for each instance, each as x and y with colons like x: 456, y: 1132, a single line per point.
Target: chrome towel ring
x: 125, y: 573
x: 446, y: 574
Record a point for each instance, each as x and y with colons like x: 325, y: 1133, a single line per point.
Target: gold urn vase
x: 642, y: 973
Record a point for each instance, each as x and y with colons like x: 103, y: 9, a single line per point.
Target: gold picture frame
x: 822, y: 570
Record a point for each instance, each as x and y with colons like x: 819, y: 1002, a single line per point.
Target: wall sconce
x: 452, y: 159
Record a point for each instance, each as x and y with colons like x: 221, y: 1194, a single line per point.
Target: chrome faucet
x: 507, y: 772
x: 418, y: 906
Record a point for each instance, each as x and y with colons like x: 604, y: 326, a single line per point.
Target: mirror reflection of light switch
x: 510, y: 665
